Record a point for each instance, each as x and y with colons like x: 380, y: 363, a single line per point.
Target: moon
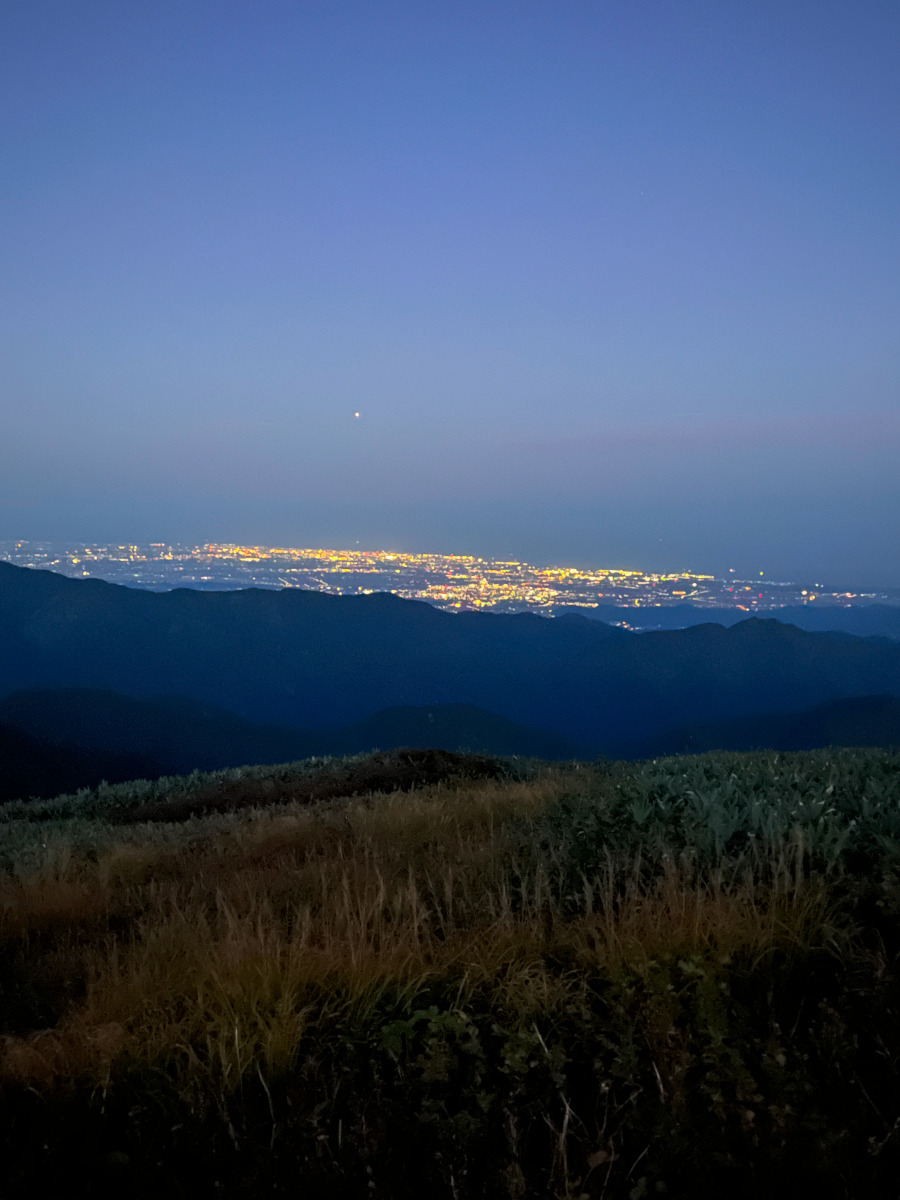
x: 356, y: 414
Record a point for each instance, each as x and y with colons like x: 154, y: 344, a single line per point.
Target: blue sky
x: 610, y: 282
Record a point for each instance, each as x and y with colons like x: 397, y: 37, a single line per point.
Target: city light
x: 456, y: 582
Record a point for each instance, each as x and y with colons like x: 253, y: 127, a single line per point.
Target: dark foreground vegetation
x: 674, y: 978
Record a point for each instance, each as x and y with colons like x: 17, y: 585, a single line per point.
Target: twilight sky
x: 608, y: 281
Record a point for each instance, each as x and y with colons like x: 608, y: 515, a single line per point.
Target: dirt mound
x: 393, y: 771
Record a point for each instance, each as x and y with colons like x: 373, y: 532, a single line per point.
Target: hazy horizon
x: 585, y: 564
x: 647, y: 564
x: 604, y: 284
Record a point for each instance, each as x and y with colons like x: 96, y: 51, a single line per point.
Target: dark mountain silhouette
x: 864, y: 620
x: 860, y: 721
x: 314, y: 661
x: 452, y: 726
x: 30, y: 766
x: 173, y: 735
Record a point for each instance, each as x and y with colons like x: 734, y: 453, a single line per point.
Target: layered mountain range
x: 217, y: 678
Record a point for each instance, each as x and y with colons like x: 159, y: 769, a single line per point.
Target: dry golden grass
x: 209, y: 944
x: 222, y: 949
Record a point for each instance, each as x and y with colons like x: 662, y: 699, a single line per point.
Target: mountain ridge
x: 861, y: 620
x: 318, y: 661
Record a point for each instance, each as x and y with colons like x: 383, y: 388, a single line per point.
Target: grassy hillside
x: 510, y: 980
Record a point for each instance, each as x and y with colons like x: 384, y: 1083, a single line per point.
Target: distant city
x: 448, y: 581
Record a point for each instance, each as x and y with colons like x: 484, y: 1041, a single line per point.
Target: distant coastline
x: 633, y: 599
